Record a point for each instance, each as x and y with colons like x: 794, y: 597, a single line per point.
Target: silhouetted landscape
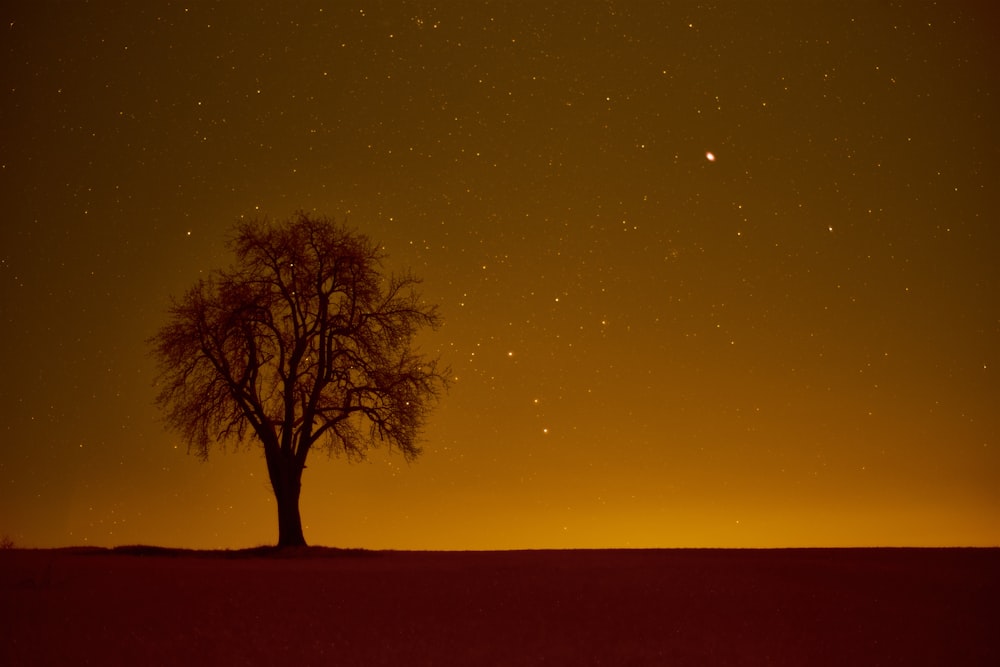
x: 313, y: 605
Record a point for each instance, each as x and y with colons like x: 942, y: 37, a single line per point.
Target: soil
x: 314, y: 606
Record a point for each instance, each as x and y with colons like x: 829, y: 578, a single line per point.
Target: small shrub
x: 6, y: 542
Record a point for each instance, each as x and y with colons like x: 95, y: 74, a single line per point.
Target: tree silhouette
x: 304, y: 342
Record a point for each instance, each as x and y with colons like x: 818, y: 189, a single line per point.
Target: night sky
x: 712, y: 274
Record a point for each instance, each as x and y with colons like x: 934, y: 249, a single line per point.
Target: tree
x: 303, y: 343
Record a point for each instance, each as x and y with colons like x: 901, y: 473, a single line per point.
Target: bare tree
x: 304, y: 342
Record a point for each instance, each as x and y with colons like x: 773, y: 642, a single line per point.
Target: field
x: 149, y: 606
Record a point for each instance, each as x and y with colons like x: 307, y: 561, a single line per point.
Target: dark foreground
x: 675, y: 607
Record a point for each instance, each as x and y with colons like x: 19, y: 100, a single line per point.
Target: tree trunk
x: 287, y: 485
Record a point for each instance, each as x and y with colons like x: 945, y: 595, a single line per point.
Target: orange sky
x: 793, y: 344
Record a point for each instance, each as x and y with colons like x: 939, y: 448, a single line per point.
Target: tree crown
x: 303, y: 341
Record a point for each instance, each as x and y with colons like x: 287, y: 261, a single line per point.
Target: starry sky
x: 713, y: 274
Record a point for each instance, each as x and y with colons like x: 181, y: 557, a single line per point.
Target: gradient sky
x: 712, y: 274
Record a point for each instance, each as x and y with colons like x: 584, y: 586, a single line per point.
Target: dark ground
x: 146, y: 606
